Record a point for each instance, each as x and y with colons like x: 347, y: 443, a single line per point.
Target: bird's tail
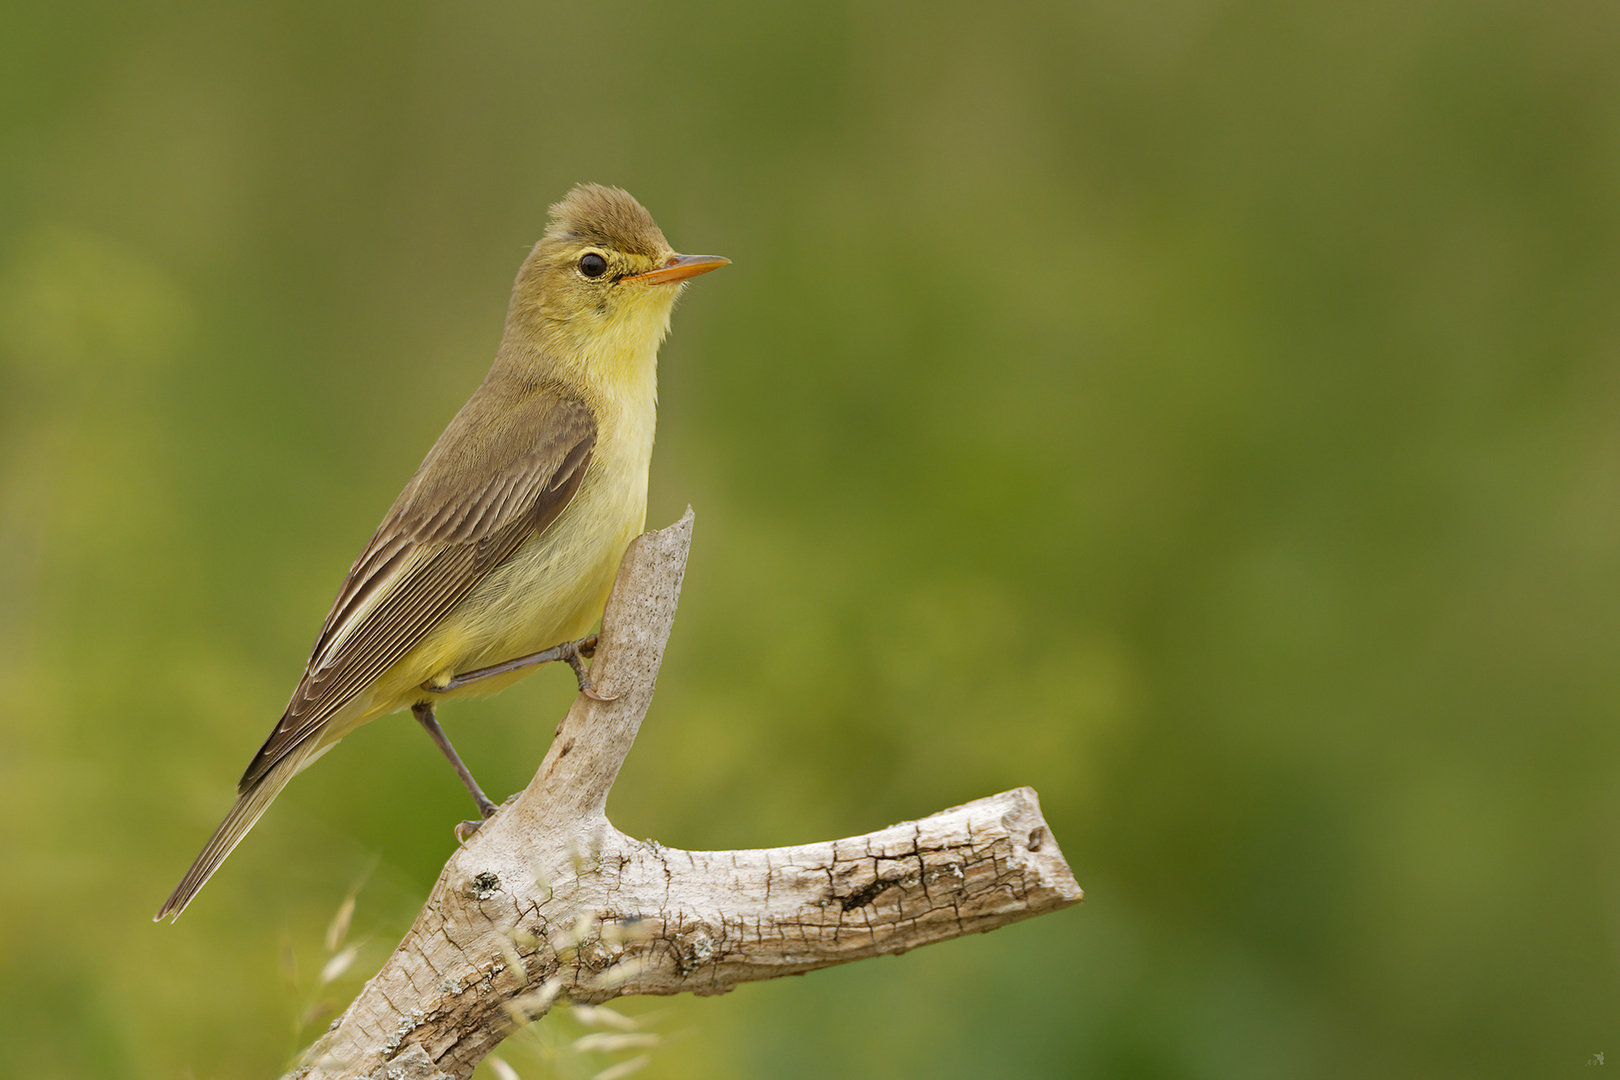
x: 249, y: 805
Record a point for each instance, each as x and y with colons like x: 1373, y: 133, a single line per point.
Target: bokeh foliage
x: 1204, y: 412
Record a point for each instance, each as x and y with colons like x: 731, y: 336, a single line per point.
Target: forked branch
x: 549, y: 902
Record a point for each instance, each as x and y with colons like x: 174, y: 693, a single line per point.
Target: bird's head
x: 599, y: 287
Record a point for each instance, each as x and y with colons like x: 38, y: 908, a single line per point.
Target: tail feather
x: 250, y: 804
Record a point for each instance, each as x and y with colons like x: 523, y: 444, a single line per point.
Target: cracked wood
x: 549, y: 902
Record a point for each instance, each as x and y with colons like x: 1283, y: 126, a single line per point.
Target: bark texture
x: 549, y: 902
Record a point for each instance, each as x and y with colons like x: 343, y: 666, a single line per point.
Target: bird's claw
x: 581, y: 674
x: 465, y: 830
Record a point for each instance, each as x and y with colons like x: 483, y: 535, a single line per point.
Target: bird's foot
x: 465, y: 830
x: 584, y: 647
x: 569, y: 652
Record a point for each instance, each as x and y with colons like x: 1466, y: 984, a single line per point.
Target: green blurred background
x: 1206, y: 413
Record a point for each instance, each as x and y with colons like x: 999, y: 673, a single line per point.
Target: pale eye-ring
x: 592, y: 265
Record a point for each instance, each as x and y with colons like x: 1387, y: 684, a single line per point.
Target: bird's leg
x: 423, y: 711
x: 569, y: 652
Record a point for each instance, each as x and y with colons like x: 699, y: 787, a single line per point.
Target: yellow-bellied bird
x: 501, y: 550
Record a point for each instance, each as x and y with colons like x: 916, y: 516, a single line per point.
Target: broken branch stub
x: 549, y: 902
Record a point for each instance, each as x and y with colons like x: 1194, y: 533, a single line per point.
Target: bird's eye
x: 592, y: 265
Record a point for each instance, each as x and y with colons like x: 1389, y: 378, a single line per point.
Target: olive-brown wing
x: 489, y: 484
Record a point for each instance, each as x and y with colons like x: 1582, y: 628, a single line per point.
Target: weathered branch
x: 548, y: 900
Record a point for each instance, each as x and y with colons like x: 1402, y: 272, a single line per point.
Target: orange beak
x: 679, y: 268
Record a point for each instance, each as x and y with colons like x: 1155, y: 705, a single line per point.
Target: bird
x: 501, y: 550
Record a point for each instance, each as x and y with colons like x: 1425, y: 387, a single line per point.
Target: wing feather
x: 471, y: 505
